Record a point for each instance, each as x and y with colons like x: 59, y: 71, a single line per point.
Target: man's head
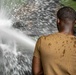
x: 66, y: 17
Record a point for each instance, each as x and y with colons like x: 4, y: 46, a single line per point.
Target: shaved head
x: 66, y: 17
x: 66, y: 13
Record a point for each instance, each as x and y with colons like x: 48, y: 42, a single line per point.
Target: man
x: 55, y: 54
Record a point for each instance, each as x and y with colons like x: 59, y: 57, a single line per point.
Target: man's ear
x: 58, y: 24
x: 58, y: 20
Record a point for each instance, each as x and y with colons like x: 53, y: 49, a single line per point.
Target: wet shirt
x: 57, y: 53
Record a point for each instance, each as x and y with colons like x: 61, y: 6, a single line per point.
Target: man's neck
x: 69, y: 33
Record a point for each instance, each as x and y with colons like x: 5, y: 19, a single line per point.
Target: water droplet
x: 72, y: 38
x: 62, y: 45
x: 49, y: 44
x: 58, y: 49
x: 63, y: 42
x: 74, y: 42
x: 66, y: 41
x: 74, y: 45
x: 63, y: 51
x: 56, y: 42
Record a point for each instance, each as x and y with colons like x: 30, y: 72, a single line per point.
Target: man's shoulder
x: 44, y: 37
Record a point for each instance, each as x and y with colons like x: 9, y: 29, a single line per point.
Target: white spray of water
x: 5, y: 23
x: 11, y: 34
x: 8, y: 33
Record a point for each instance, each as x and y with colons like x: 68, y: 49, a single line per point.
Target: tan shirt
x: 57, y: 53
